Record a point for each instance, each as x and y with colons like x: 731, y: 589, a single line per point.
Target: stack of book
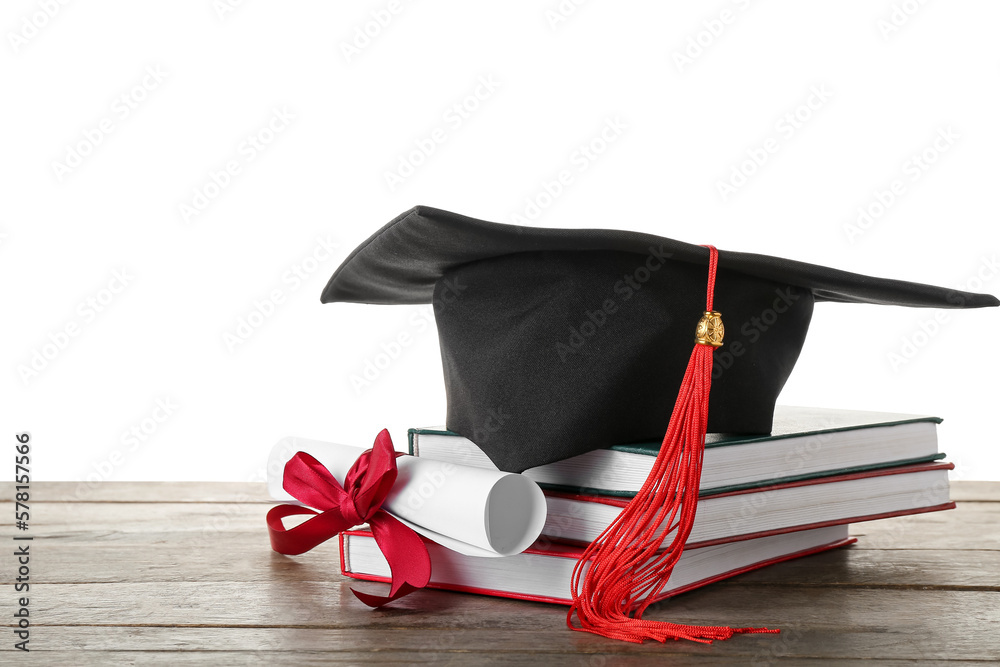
x: 763, y: 499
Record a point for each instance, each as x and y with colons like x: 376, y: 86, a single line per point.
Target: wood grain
x: 246, y: 556
x: 153, y: 574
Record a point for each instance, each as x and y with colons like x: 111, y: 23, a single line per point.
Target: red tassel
x: 627, y: 569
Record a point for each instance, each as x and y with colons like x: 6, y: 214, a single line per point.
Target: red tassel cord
x: 624, y: 570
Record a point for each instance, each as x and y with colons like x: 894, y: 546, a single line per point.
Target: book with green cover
x: 805, y: 443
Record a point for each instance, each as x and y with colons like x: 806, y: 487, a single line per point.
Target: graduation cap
x: 555, y: 342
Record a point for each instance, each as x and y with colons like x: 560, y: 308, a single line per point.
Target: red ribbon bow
x: 366, y: 486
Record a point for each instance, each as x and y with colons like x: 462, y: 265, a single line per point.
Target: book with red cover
x: 771, y: 510
x: 543, y: 572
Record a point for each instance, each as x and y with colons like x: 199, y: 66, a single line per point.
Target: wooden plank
x: 247, y: 556
x: 82, y: 519
x: 177, y: 556
x: 872, y: 568
x: 973, y: 525
x: 374, y: 655
x: 817, y: 623
x: 969, y: 490
x: 528, y: 657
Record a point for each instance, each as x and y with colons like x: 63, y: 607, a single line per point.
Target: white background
x: 895, y: 80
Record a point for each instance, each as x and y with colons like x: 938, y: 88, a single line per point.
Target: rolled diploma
x: 474, y: 511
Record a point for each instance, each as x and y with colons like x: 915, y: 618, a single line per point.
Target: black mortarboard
x: 556, y: 342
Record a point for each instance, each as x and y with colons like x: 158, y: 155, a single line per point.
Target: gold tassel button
x: 710, y: 330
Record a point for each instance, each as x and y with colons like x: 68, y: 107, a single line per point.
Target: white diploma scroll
x: 474, y: 511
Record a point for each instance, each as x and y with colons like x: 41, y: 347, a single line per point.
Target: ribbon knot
x: 358, y: 501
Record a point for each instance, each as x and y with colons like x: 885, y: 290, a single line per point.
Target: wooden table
x: 134, y: 573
